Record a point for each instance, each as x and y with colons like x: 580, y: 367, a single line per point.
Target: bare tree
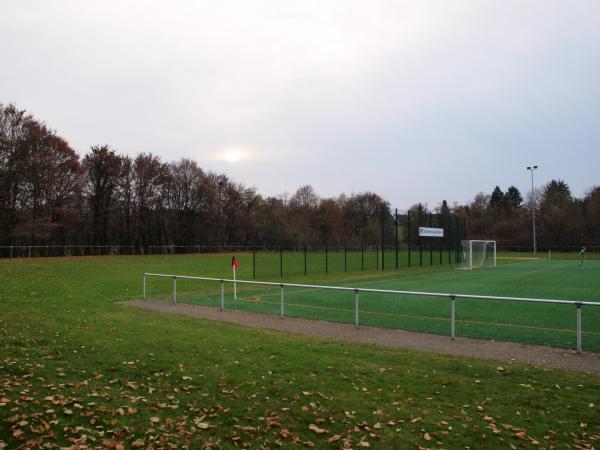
x: 102, y: 169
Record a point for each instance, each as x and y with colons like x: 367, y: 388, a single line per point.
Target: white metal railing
x: 452, y: 297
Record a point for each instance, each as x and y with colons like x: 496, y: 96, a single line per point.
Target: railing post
x: 281, y: 303
x: 578, y: 327
x: 356, y: 308
x: 174, y: 289
x: 11, y: 252
x: 222, y: 295
x: 144, y: 286
x: 452, y: 317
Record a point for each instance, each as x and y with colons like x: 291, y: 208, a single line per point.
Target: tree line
x: 561, y: 218
x: 49, y: 195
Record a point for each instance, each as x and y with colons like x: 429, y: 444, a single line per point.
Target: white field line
x: 527, y: 258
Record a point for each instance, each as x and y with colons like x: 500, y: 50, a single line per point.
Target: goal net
x: 477, y: 254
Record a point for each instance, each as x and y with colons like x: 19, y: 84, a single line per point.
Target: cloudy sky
x: 418, y: 101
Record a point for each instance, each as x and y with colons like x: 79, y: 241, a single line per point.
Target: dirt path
x: 386, y: 337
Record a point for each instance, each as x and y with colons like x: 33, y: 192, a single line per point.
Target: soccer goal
x: 478, y: 254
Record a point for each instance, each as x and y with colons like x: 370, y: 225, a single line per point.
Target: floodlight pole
x: 531, y: 169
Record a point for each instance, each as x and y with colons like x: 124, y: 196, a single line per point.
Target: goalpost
x: 478, y: 253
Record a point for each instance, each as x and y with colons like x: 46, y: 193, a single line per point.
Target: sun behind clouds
x: 236, y: 154
x: 233, y: 156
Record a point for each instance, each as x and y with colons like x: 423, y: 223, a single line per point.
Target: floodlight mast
x: 531, y: 169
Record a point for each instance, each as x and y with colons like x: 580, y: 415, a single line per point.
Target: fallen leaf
x: 314, y: 428
x: 520, y: 435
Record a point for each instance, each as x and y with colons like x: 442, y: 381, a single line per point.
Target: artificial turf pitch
x: 546, y: 324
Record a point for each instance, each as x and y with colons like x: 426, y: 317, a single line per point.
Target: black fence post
x: 377, y: 254
x: 362, y: 257
x: 457, y: 239
x: 420, y: 239
x: 451, y: 238
x: 326, y: 260
x: 305, y: 269
x: 430, y: 244
x: 281, y: 261
x: 345, y: 258
x: 408, y: 237
x: 382, y: 238
x: 254, y: 263
x: 396, y: 224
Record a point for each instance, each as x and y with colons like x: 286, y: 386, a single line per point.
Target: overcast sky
x: 417, y: 101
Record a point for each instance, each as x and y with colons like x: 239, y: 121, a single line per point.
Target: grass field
x: 523, y: 322
x: 79, y: 369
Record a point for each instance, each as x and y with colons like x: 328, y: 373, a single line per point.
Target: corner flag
x: 234, y: 266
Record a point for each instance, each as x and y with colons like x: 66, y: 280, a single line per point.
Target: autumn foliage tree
x: 40, y: 180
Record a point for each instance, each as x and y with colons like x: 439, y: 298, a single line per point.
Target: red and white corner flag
x: 234, y: 266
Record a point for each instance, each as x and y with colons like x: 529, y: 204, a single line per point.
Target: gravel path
x: 386, y: 337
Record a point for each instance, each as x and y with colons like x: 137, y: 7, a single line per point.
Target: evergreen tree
x: 513, y: 195
x: 497, y: 200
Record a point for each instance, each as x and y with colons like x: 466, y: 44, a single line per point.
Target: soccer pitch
x: 546, y: 324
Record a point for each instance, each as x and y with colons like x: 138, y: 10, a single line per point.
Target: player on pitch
x: 581, y: 257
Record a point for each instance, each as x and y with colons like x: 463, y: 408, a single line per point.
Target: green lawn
x: 77, y: 368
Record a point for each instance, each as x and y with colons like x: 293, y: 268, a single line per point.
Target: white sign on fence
x: 431, y: 232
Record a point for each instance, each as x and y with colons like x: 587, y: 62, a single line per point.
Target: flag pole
x: 234, y: 265
x: 234, y: 285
